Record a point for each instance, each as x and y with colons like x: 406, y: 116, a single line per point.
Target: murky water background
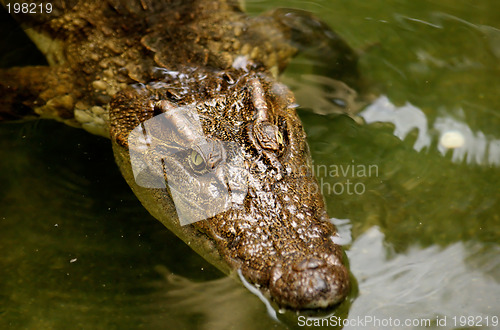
x: 79, y: 251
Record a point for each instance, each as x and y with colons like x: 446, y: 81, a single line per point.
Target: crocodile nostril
x: 317, y: 283
x: 308, y: 283
x: 310, y: 263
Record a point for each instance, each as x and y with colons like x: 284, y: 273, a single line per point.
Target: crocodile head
x: 232, y: 162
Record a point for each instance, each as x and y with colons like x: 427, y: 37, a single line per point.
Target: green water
x: 79, y: 251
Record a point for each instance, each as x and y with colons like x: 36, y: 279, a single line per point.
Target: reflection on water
x: 476, y: 148
x: 217, y: 304
x: 460, y: 279
x: 78, y: 250
x: 405, y: 119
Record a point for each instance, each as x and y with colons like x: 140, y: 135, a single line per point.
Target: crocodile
x: 205, y: 73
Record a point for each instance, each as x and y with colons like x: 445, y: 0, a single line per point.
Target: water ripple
x: 477, y: 148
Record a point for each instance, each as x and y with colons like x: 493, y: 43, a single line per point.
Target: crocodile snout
x: 309, y: 282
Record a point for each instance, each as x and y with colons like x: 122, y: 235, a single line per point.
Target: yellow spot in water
x: 452, y: 140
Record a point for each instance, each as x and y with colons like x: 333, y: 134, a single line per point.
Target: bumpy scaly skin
x: 126, y: 62
x: 278, y: 234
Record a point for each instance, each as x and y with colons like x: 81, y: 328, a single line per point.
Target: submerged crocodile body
x: 116, y: 65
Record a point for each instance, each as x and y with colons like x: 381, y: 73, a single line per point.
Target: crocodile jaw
x: 269, y: 219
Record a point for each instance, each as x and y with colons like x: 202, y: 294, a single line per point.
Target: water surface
x: 421, y: 233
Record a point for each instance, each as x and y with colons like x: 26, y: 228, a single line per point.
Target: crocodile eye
x: 196, y: 161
